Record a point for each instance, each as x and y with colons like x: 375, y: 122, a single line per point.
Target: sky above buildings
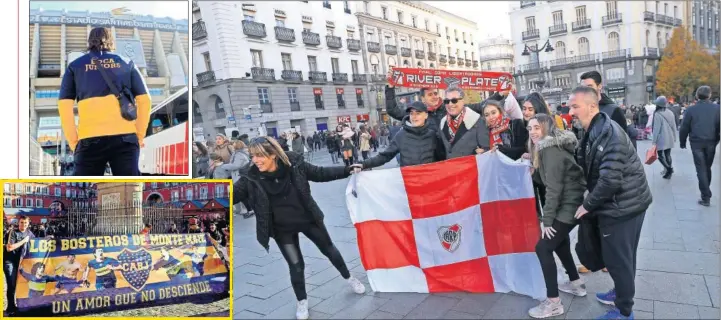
x: 160, y: 9
x: 490, y: 16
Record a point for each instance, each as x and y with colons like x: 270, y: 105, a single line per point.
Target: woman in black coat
x: 278, y: 190
x: 507, y: 136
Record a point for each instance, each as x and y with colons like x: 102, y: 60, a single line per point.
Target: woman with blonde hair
x: 365, y: 142
x: 277, y: 188
x: 554, y: 165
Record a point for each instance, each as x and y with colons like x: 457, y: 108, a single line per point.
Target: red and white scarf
x: 502, y: 123
x: 454, y: 123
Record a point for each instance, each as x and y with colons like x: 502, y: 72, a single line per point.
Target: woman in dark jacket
x: 532, y: 105
x: 507, y: 136
x: 554, y: 166
x: 332, y: 145
x: 416, y: 143
x: 278, y: 190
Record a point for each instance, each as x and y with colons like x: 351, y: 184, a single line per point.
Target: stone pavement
x: 677, y: 277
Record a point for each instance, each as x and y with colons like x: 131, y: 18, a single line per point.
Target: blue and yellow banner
x: 93, y: 274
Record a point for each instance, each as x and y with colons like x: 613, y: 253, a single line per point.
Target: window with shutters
x: 341, y: 101
x: 557, y: 17
x: 611, y: 8
x: 312, y: 63
x: 560, y: 50
x: 580, y: 13
x: 257, y: 57
x: 334, y: 64
x: 614, y: 43
x: 287, y: 62
x: 583, y: 46
x: 263, y: 96
x: 354, y: 66
x: 530, y: 23
x: 318, y: 99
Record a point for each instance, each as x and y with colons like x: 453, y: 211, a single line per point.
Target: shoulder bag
x: 128, y: 109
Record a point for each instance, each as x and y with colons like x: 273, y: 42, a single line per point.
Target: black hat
x: 661, y: 101
x: 418, y: 106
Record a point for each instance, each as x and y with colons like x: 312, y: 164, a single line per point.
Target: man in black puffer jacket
x: 416, y: 143
x: 618, y: 196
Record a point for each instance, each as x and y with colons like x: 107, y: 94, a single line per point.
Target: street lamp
x: 546, y: 47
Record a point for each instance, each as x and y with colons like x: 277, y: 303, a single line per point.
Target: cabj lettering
x: 135, y: 266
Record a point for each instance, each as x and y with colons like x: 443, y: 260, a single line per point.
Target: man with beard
x: 436, y: 111
x: 68, y: 280
x: 104, y: 271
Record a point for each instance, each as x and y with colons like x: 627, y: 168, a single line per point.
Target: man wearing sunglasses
x: 436, y: 111
x: 463, y: 131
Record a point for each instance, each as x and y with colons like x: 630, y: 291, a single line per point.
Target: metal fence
x: 129, y: 218
x: 41, y: 163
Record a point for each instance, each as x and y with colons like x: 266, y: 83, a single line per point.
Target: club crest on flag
x: 450, y: 237
x: 136, y: 267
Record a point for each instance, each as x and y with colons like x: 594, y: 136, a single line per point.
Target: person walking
x: 617, y: 200
x: 297, y: 143
x: 701, y: 127
x: 365, y: 142
x: 554, y: 166
x: 664, y: 135
x: 102, y: 135
x: 332, y: 146
x: 277, y: 187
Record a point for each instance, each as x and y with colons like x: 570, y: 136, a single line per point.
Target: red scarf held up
x: 455, y: 123
x: 500, y: 126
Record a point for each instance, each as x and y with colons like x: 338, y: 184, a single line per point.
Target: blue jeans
x: 122, y: 152
x: 11, y: 275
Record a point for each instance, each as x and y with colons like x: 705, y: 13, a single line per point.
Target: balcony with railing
x: 360, y: 78
x: 262, y: 74
x: 564, y: 62
x: 527, y: 4
x: 405, y: 52
x: 431, y: 56
x: 334, y: 42
x: 664, y: 19
x: 443, y: 59
x: 391, y: 50
x: 294, y: 76
x: 354, y: 44
x: 615, y: 55
x: 460, y: 62
x: 451, y: 59
x: 497, y: 56
x: 317, y: 77
x: 650, y: 52
x: 340, y: 78
x: 581, y: 25
x: 254, y: 29
x: 475, y: 63
x: 420, y: 54
x: 648, y: 16
x: 266, y: 107
x: 378, y: 78
x: 284, y: 34
x: 311, y: 38
x: 199, y: 31
x: 558, y: 29
x: 677, y: 22
x: 205, y: 78
x: 374, y: 47
x: 611, y: 19
x: 531, y: 34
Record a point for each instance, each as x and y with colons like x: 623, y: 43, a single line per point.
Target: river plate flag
x: 123, y: 271
x: 466, y: 224
x: 445, y: 79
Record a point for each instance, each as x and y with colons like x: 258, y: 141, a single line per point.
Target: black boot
x: 705, y: 203
x: 668, y: 173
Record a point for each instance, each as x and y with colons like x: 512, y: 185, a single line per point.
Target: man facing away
x: 618, y: 196
x: 701, y: 126
x: 102, y: 135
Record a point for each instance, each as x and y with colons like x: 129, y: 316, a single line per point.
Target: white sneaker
x: 301, y: 312
x: 576, y: 288
x: 546, y: 308
x: 357, y: 286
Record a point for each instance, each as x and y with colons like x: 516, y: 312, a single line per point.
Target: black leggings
x: 290, y: 248
x: 561, y: 245
x: 664, y: 157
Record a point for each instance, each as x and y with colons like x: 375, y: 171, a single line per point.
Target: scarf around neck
x: 434, y: 108
x: 454, y: 123
x: 501, y: 125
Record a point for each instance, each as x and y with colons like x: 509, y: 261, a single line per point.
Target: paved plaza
x: 677, y: 277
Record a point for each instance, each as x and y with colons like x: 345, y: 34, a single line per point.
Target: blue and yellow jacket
x: 98, y: 109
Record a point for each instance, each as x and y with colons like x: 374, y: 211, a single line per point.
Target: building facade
x: 415, y: 35
x: 42, y: 194
x: 158, y: 46
x: 167, y: 192
x: 622, y: 40
x: 496, y: 54
x: 702, y: 21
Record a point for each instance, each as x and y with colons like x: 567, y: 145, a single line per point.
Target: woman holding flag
x: 276, y: 186
x: 554, y: 166
x: 506, y: 135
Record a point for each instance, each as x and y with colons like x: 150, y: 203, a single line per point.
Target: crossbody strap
x: 107, y: 79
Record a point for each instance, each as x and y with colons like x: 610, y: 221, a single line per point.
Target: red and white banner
x: 466, y: 224
x: 444, y: 79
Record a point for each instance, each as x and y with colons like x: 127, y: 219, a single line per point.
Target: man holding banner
x: 15, y: 248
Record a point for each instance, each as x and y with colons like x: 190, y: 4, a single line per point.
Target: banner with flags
x: 98, y: 273
x: 466, y: 224
x: 444, y: 79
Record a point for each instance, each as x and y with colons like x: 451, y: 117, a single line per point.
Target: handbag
x: 588, y: 247
x: 128, y: 109
x: 651, y: 155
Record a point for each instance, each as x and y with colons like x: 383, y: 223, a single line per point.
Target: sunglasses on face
x: 454, y: 101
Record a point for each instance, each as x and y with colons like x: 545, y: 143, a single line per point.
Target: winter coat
x: 514, y: 140
x: 393, y: 131
x: 701, y: 124
x: 615, y: 177
x: 332, y: 144
x: 224, y: 150
x: 297, y: 144
x: 562, y: 177
x: 249, y: 190
x: 202, y: 166
x: 472, y: 134
x: 664, y: 129
x: 239, y: 164
x: 609, y: 107
x: 416, y: 145
x: 365, y: 142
